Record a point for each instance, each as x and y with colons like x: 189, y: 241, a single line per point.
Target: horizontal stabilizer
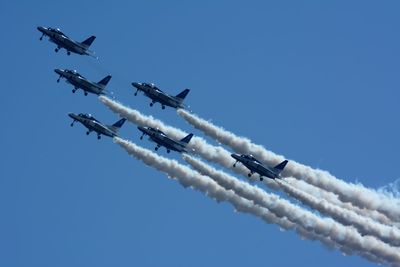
x: 182, y: 94
x: 186, y: 139
x: 105, y: 81
x: 88, y: 41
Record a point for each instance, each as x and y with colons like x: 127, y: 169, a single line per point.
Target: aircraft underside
x: 69, y: 48
x: 98, y: 129
x: 163, y: 144
x: 158, y: 99
x: 86, y: 90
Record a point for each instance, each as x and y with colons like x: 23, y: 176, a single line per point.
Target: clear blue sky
x: 317, y: 82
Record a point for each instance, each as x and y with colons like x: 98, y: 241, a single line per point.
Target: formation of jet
x: 63, y: 41
x: 161, y: 139
x: 92, y: 124
x: 157, y: 95
x: 256, y: 166
x: 151, y: 91
x: 80, y: 82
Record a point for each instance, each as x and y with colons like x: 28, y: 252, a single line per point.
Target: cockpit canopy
x: 73, y: 72
x: 152, y: 86
x: 250, y: 157
x: 56, y: 30
x: 87, y: 116
x: 157, y: 130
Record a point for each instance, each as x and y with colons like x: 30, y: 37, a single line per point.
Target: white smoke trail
x: 273, y: 203
x: 347, y: 192
x: 392, y: 189
x: 187, y: 177
x: 324, y: 230
x: 365, y: 226
x: 202, y: 148
x: 332, y: 198
x: 197, y: 144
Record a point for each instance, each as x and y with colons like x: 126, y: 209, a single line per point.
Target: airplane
x: 161, y: 139
x: 92, y: 124
x: 156, y: 95
x: 78, y: 81
x: 254, y: 165
x: 62, y: 41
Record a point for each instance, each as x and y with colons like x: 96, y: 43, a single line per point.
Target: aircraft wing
x: 69, y: 42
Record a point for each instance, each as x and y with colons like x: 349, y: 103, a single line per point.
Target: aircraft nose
x: 58, y: 71
x: 40, y: 28
x: 136, y: 84
x: 141, y: 128
x: 234, y: 156
x: 71, y: 115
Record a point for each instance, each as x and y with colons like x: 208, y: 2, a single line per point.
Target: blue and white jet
x: 92, y: 124
x: 157, y: 95
x: 63, y: 41
x: 80, y: 82
x: 161, y: 139
x: 256, y: 166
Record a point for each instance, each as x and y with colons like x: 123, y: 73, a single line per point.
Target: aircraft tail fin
x: 279, y: 168
x: 182, y: 94
x: 186, y: 139
x: 105, y: 81
x: 116, y: 126
x: 89, y: 41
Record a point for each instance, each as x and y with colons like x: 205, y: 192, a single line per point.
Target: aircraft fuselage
x: 162, y: 140
x: 255, y: 167
x: 157, y: 95
x: 93, y: 125
x: 80, y: 82
x: 63, y: 41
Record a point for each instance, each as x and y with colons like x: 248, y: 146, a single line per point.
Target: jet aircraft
x: 157, y: 95
x: 78, y: 81
x: 63, y: 41
x: 161, y: 139
x: 92, y: 124
x: 254, y: 165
